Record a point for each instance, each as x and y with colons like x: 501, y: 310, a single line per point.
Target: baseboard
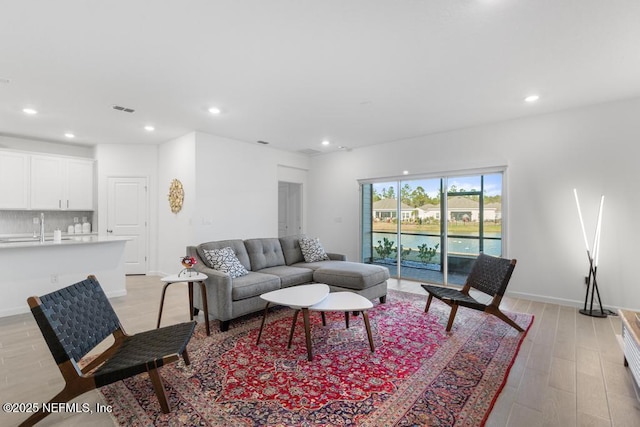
x: 562, y: 301
x: 116, y: 293
x: 157, y: 273
x: 15, y: 310
x: 544, y: 298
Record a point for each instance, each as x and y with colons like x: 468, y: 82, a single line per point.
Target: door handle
x: 109, y: 231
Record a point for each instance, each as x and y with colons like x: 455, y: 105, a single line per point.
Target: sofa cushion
x: 290, y: 276
x: 312, y: 250
x: 291, y: 248
x: 351, y: 275
x: 264, y: 253
x: 237, y: 246
x: 225, y: 261
x: 317, y: 265
x: 253, y: 284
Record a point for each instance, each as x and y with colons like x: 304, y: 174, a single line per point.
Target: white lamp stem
x: 596, y: 243
x: 584, y: 232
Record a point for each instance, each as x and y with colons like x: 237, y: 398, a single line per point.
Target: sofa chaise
x: 275, y: 263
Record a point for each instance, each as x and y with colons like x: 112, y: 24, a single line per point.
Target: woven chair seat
x: 450, y: 295
x: 489, y: 275
x: 142, y: 351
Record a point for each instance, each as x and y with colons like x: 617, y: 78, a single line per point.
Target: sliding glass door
x: 431, y: 229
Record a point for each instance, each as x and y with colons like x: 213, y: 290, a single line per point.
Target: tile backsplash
x: 21, y: 222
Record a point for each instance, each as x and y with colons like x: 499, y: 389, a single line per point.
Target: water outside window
x: 412, y: 229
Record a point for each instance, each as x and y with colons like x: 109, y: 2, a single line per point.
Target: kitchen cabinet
x: 61, y: 183
x: 630, y: 342
x: 14, y: 180
x: 46, y: 182
x: 79, y: 185
x: 34, y: 268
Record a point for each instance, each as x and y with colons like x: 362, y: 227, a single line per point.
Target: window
x: 407, y: 233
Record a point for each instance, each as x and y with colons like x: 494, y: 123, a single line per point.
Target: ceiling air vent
x: 123, y: 109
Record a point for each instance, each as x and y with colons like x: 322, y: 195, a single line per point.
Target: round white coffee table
x: 189, y: 279
x: 299, y: 298
x: 346, y: 301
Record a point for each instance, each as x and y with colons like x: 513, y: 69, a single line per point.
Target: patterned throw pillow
x: 312, y: 250
x: 225, y: 261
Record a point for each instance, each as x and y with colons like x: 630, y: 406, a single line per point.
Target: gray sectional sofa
x: 275, y: 263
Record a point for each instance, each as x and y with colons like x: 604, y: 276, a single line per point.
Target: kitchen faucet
x: 42, y: 227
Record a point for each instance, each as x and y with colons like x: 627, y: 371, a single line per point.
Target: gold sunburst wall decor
x: 176, y: 196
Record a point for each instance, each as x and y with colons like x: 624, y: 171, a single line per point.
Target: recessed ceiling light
x: 30, y: 111
x: 214, y: 110
x: 69, y: 135
x: 405, y: 172
x: 325, y: 142
x: 149, y: 128
x: 532, y: 98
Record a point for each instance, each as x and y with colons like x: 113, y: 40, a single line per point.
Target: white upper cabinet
x: 46, y: 182
x: 79, y: 185
x: 61, y: 183
x: 14, y: 180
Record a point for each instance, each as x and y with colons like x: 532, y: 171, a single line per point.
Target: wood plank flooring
x: 569, y: 371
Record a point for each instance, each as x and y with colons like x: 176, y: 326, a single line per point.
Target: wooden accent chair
x: 489, y: 275
x: 75, y: 319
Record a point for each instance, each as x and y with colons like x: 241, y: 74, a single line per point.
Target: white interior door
x: 283, y: 200
x: 127, y: 216
x: 295, y: 208
x: 289, y: 208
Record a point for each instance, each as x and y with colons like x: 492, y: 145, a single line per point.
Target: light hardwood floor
x: 569, y: 371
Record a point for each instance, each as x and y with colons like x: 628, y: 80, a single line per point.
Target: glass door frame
x: 444, y: 195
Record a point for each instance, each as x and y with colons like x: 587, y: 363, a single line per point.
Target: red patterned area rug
x: 418, y: 374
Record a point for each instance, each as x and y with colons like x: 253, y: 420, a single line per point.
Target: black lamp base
x: 593, y: 313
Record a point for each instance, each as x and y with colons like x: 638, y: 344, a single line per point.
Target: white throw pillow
x: 312, y: 250
x: 225, y: 261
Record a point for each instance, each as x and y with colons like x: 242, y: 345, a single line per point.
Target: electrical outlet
x: 54, y: 278
x: 36, y: 220
x: 586, y: 280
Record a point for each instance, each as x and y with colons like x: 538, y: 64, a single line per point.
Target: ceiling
x: 294, y: 73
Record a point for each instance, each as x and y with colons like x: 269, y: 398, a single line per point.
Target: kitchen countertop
x: 29, y: 242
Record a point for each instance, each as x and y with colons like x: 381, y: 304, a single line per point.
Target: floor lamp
x: 591, y: 281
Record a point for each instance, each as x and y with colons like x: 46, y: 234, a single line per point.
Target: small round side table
x: 189, y: 279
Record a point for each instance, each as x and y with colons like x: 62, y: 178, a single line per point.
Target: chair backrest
x: 491, y: 274
x: 75, y: 319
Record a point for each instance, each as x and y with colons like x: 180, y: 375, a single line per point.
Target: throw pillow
x: 312, y: 250
x: 226, y: 261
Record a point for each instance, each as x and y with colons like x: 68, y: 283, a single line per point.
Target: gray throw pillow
x: 312, y: 250
x: 225, y: 261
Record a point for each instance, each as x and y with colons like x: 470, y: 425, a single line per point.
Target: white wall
x: 237, y: 187
x: 129, y: 160
x: 231, y: 192
x: 593, y: 149
x: 176, y: 160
